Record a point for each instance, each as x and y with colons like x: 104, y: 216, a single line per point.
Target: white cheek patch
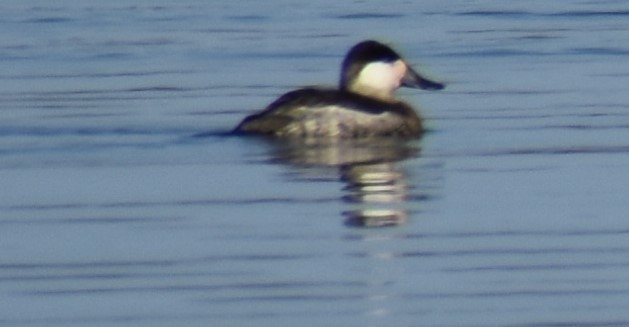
x: 381, y: 75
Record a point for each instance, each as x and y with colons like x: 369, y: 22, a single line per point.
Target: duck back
x: 330, y: 113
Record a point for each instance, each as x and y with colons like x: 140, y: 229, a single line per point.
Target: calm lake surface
x: 123, y: 202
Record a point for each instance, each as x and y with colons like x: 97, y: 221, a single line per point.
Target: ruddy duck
x: 363, y: 106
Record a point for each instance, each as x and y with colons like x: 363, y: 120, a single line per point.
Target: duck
x: 363, y: 106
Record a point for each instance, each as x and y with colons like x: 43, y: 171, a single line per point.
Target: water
x: 123, y: 202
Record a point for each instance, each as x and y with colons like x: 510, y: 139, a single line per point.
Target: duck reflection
x: 381, y: 189
x: 376, y: 189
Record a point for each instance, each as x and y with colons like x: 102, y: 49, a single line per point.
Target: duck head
x: 373, y: 69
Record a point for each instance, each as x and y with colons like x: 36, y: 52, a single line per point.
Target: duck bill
x: 414, y: 80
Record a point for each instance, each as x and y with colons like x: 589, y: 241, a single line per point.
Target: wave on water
x: 533, y: 14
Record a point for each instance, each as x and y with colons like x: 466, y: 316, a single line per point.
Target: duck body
x: 329, y: 113
x: 363, y: 105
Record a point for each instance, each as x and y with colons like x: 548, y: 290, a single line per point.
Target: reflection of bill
x: 376, y: 188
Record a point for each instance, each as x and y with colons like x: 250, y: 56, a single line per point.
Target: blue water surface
x: 124, y: 202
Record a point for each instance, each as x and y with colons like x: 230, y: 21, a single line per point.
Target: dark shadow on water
x: 375, y: 188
